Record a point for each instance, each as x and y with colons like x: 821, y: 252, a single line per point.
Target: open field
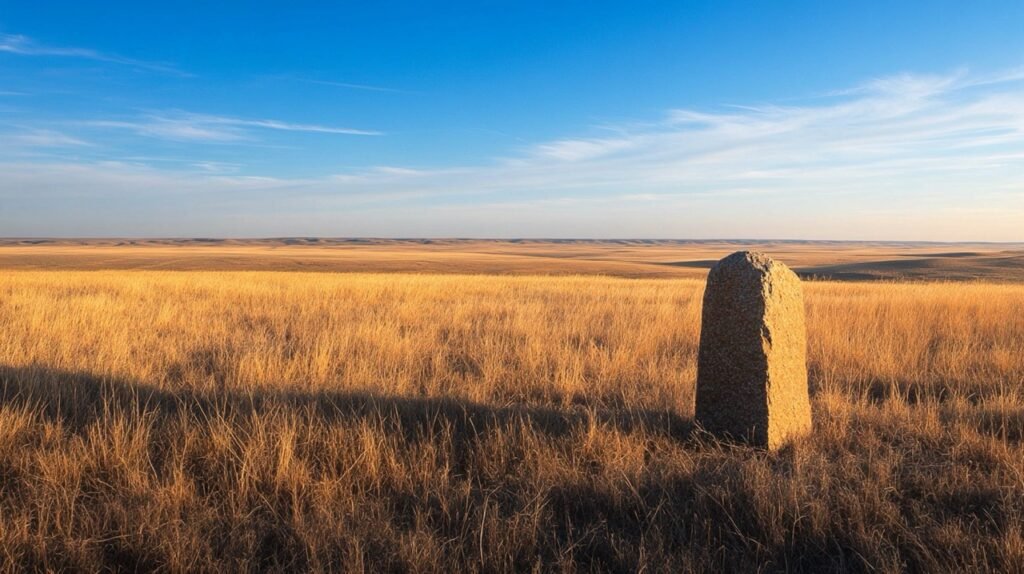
x: 625, y: 258
x: 416, y: 422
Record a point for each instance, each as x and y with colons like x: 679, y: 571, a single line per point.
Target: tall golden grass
x: 384, y: 422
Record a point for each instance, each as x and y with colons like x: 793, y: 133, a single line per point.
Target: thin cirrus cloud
x: 212, y: 128
x: 901, y: 157
x: 352, y: 86
x: 29, y: 139
x: 25, y: 46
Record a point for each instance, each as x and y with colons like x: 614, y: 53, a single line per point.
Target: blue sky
x: 802, y: 120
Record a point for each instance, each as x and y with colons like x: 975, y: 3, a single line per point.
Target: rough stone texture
x: 752, y: 363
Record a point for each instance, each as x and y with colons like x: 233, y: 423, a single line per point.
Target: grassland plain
x: 221, y: 421
x: 636, y: 258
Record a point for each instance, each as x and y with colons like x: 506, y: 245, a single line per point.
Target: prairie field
x: 212, y: 420
x: 636, y: 258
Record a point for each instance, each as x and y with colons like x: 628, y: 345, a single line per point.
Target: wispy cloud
x: 902, y: 157
x: 351, y: 86
x: 572, y: 150
x: 216, y: 167
x: 291, y: 127
x: 38, y: 138
x: 171, y: 129
x: 185, y: 126
x: 25, y: 46
x: 924, y: 85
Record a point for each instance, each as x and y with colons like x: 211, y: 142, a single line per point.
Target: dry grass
x: 646, y: 259
x: 261, y: 421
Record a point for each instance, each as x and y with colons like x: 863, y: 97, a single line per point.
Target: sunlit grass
x: 206, y: 420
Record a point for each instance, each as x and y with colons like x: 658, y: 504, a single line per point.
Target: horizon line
x: 55, y: 238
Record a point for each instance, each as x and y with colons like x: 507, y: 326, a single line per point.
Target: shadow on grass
x: 77, y: 398
x: 714, y: 509
x: 596, y: 523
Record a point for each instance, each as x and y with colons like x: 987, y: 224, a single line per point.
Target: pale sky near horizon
x: 787, y: 120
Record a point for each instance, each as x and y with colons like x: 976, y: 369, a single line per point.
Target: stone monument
x: 752, y: 363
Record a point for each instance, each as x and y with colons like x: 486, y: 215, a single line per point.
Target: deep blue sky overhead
x: 830, y: 120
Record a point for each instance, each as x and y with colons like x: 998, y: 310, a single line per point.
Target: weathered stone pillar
x: 752, y: 364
